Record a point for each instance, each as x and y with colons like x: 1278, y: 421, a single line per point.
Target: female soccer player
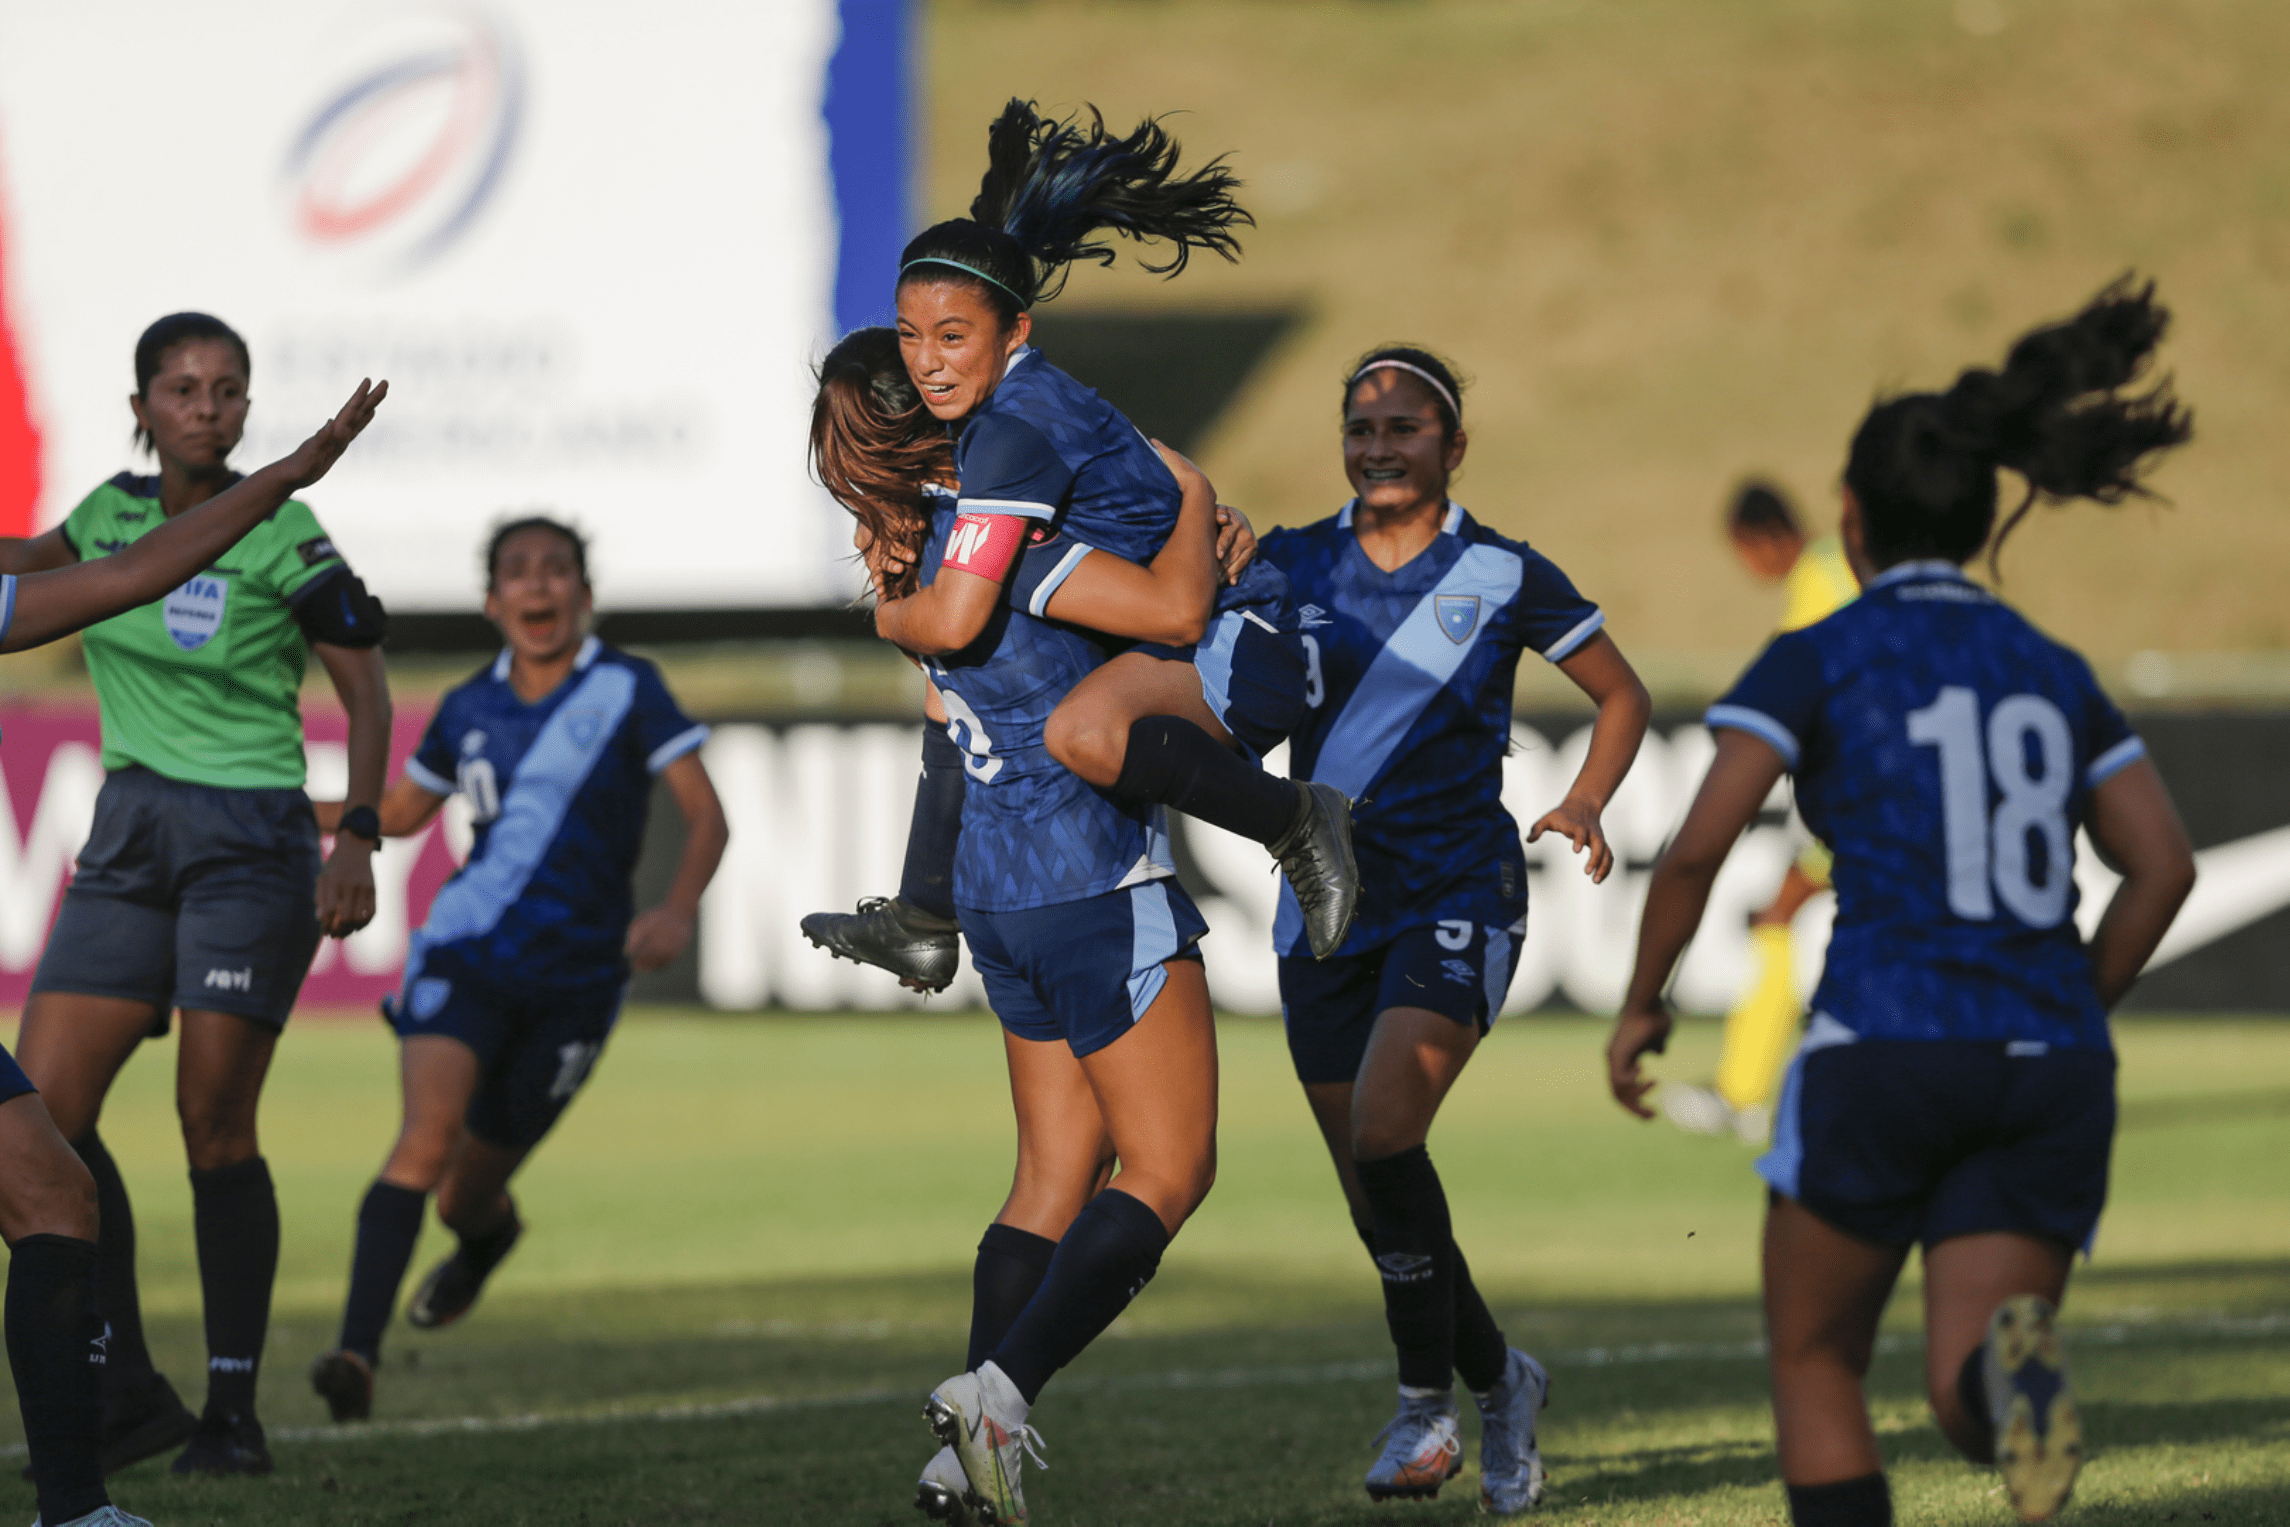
x: 200, y: 887
x: 1956, y: 1085
x: 513, y: 984
x: 1219, y: 649
x: 1416, y: 618
x: 57, y: 1335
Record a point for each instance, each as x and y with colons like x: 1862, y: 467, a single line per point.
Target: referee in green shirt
x: 200, y: 887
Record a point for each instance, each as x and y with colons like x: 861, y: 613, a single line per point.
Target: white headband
x: 1399, y: 365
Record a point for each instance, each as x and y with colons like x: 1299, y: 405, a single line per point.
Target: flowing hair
x: 875, y: 447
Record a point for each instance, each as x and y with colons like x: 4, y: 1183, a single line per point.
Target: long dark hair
x: 1051, y: 185
x: 1923, y: 466
x: 874, y: 446
x: 164, y: 335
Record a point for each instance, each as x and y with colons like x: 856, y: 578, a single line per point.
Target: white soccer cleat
x: 982, y: 1417
x: 2039, y: 1434
x: 1698, y: 1110
x: 938, y: 1494
x: 1422, y: 1449
x: 1510, y: 1467
x: 102, y: 1516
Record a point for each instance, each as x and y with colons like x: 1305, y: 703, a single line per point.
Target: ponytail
x: 1923, y: 466
x: 874, y: 446
x: 1050, y: 185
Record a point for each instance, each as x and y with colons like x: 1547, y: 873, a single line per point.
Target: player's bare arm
x: 1600, y: 671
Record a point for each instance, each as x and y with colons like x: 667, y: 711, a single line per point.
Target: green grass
x: 766, y: 1224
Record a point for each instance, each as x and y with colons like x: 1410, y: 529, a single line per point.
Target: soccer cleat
x: 1510, y: 1466
x: 1421, y: 1450
x: 1697, y: 1110
x: 938, y: 1494
x: 2039, y: 1435
x: 225, y: 1443
x: 345, y: 1381
x: 893, y: 935
x: 102, y: 1516
x: 992, y: 1452
x: 142, y: 1419
x: 1316, y: 855
x: 454, y: 1284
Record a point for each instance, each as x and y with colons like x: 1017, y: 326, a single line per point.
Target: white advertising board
x: 593, y: 246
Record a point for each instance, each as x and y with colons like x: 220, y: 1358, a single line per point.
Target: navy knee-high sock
x: 389, y: 1223
x: 1862, y: 1502
x: 234, y: 1219
x: 1109, y: 1252
x: 127, y: 1357
x: 1008, y: 1273
x: 1175, y: 763
x: 56, y: 1350
x: 1415, y: 1256
x: 928, y: 880
x: 1481, y: 1353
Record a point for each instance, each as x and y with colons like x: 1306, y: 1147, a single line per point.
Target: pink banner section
x: 52, y: 758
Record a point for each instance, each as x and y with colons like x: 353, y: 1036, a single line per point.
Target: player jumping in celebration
x: 1956, y: 1084
x: 200, y: 887
x: 1414, y: 619
x: 50, y: 1203
x: 1218, y: 647
x: 513, y: 984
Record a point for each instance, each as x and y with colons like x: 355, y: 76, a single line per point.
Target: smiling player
x: 513, y: 984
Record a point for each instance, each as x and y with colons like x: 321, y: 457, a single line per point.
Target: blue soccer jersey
x: 1033, y: 833
x: 1409, y: 696
x: 559, y: 789
x: 1946, y: 751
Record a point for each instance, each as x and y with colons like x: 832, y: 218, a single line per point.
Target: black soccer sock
x: 56, y: 1350
x: 1481, y: 1354
x: 1109, y: 1252
x: 483, y: 1253
x: 1415, y: 1256
x: 234, y: 1218
x: 928, y: 880
x: 127, y: 1358
x: 1862, y: 1502
x: 1009, y: 1271
x: 1175, y: 763
x: 389, y: 1223
x: 1972, y: 1392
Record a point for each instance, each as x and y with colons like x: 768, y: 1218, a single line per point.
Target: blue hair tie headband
x: 970, y: 269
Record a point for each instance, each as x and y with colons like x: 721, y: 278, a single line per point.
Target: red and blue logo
x: 402, y: 160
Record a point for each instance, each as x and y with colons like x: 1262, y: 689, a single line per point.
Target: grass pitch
x: 748, y: 1258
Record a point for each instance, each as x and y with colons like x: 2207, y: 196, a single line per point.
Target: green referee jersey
x: 204, y: 685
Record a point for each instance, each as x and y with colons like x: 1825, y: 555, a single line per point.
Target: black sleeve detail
x: 335, y: 608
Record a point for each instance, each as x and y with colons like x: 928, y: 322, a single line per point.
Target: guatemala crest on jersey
x: 1458, y: 615
x: 194, y: 612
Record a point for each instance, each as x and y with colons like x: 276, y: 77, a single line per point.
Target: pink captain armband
x: 986, y: 544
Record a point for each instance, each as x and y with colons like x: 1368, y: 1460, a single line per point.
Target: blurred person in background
x: 1956, y: 1086
x: 50, y: 1207
x: 513, y: 984
x: 1816, y: 582
x: 200, y: 887
x: 1415, y: 616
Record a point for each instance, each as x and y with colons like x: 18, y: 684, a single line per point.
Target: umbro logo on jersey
x: 1311, y: 617
x: 1459, y: 971
x: 232, y: 980
x: 1457, y: 614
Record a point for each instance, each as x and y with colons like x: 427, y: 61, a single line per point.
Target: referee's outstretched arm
x: 46, y: 605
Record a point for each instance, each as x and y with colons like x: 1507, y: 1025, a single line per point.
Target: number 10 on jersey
x: 1991, y: 849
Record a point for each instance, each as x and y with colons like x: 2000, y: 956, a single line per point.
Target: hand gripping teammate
x: 513, y: 984
x: 200, y: 887
x: 1034, y: 449
x: 1415, y: 618
x: 50, y: 1204
x: 1218, y: 643
x: 1956, y: 1085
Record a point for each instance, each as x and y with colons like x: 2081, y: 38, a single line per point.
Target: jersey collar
x: 1449, y: 524
x: 589, y: 648
x: 1923, y: 570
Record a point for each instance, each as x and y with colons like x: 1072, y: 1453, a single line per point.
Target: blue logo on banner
x: 1458, y: 615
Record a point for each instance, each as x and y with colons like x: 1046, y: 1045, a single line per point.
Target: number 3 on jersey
x: 969, y: 734
x: 1987, y: 849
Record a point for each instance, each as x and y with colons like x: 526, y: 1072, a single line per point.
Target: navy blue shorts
x: 535, y: 1047
x: 1897, y: 1141
x: 1252, y: 676
x: 1082, y: 971
x: 1457, y: 967
x: 13, y: 1082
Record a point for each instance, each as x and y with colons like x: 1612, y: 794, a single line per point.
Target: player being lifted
x: 1415, y: 616
x: 1956, y: 1085
x: 50, y: 1206
x: 513, y: 984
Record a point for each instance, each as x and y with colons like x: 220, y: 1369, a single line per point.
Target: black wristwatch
x: 362, y: 822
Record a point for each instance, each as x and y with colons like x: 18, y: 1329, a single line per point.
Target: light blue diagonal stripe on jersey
x: 1414, y: 666
x: 540, y: 793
